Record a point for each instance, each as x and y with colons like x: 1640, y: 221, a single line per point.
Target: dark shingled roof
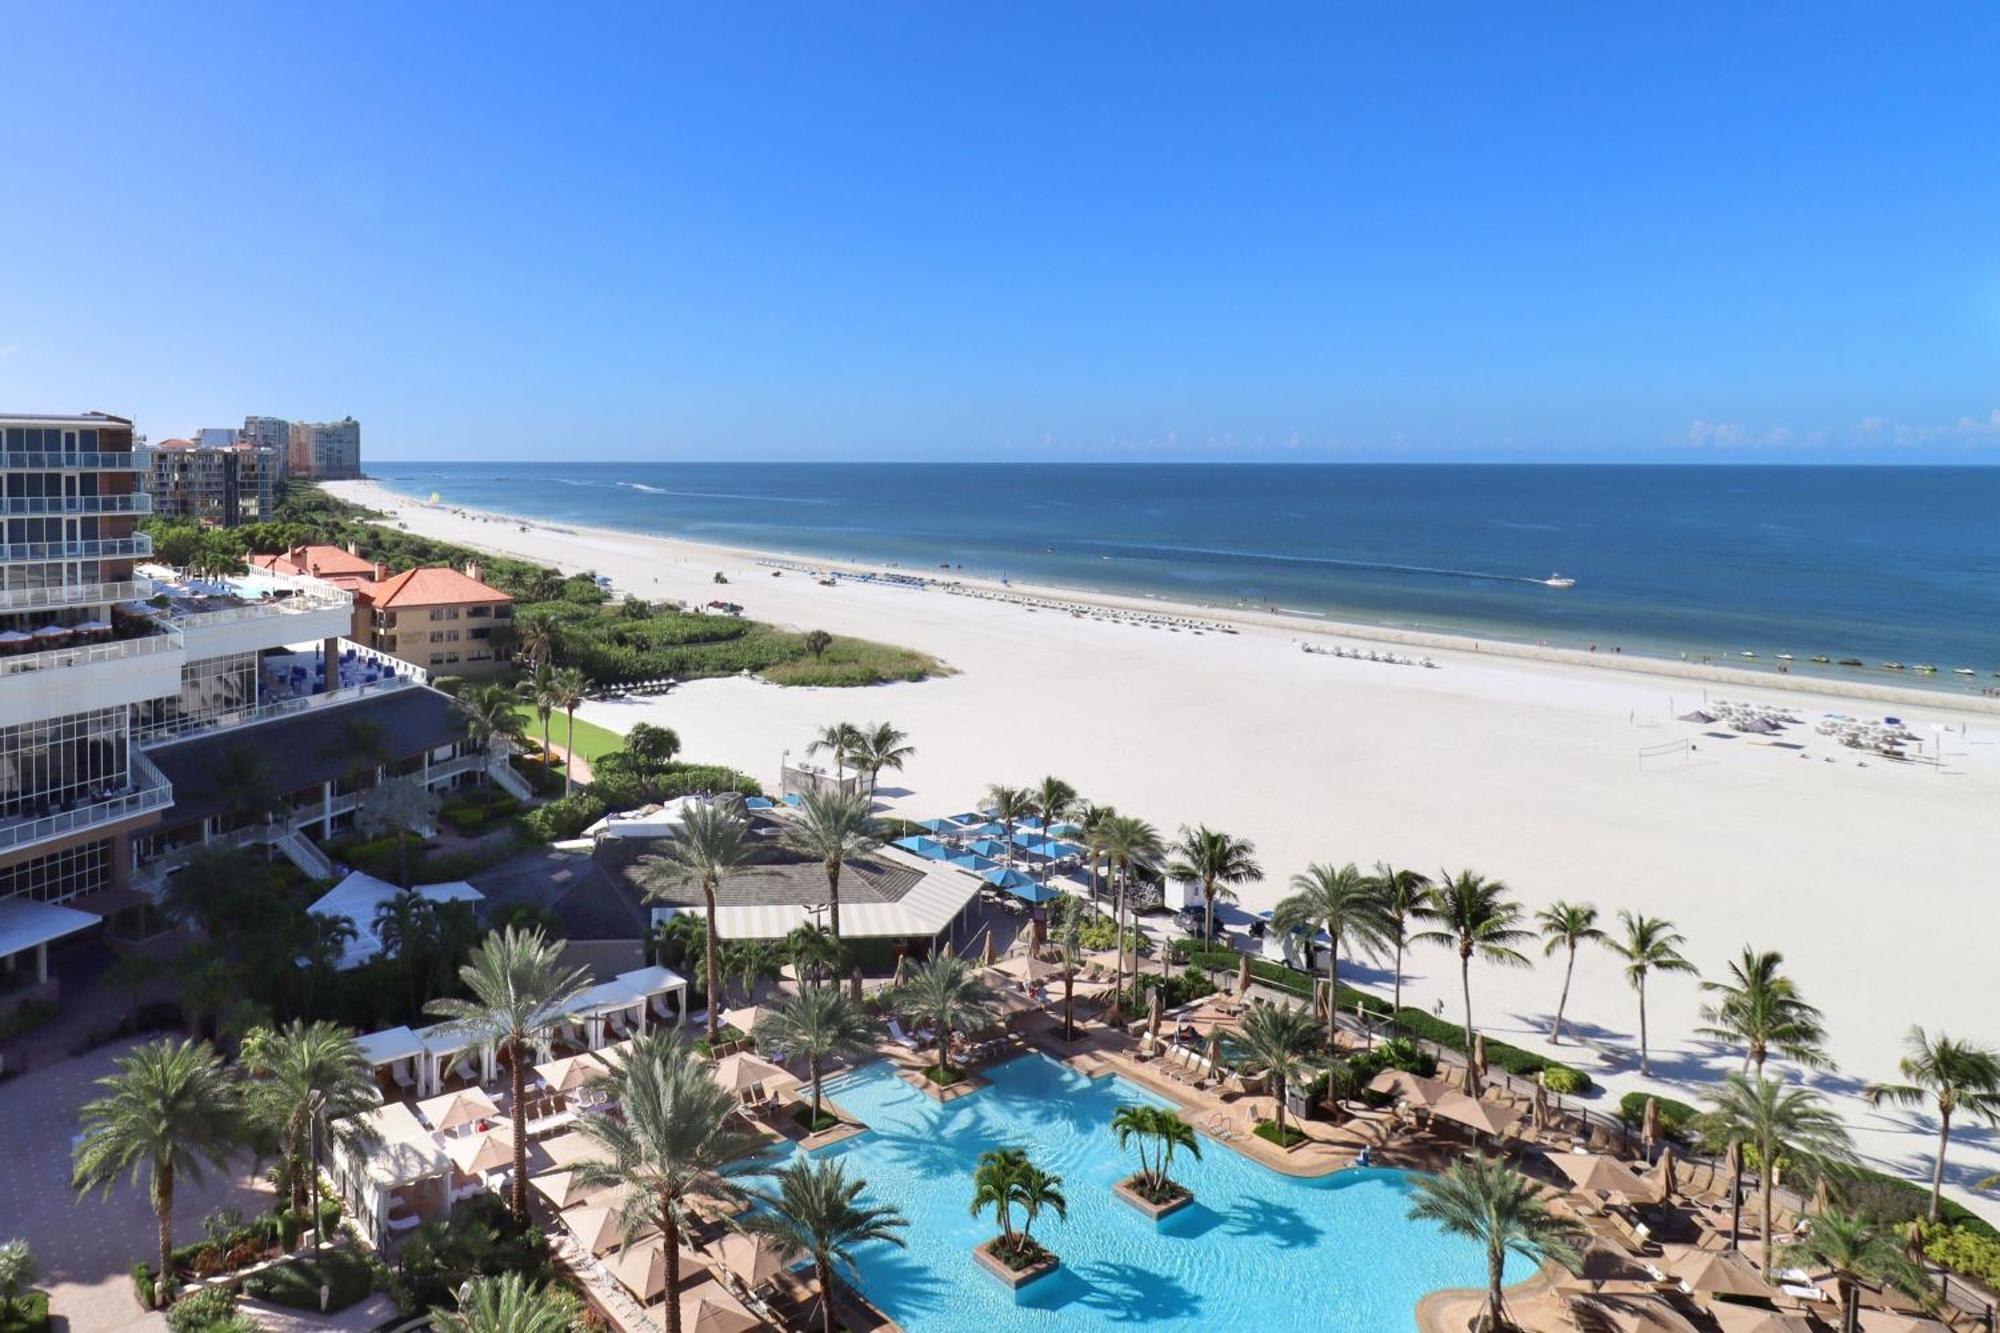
x: 303, y: 751
x: 587, y: 900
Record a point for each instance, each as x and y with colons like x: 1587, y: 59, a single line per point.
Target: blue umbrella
x: 1033, y: 892
x: 939, y: 826
x: 1023, y: 838
x: 987, y: 830
x: 1065, y: 830
x: 793, y: 799
x: 969, y: 817
x: 971, y: 861
x: 1006, y: 877
x: 992, y: 847
x: 1059, y: 850
x: 758, y: 803
x: 927, y: 847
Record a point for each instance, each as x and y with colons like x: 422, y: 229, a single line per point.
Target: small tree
x: 1505, y: 1213
x: 1274, y: 1040
x: 821, y: 1024
x: 1167, y: 1133
x: 403, y: 807
x: 816, y: 1209
x: 817, y: 642
x: 18, y: 1271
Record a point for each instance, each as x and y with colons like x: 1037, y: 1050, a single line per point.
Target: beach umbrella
x: 1715, y: 1272
x: 1627, y: 1314
x: 854, y: 986
x: 1593, y: 1173
x: 1649, y: 1125
x: 987, y: 956
x: 576, y: 1071
x: 52, y: 632
x: 1412, y: 1088
x: 754, y: 1259
x: 971, y: 861
x: 1243, y: 977
x: 597, y: 1228
x: 1006, y: 877
x: 1215, y: 1049
x: 1475, y: 1114
x: 1735, y: 1317
x: 990, y: 847
x: 744, y: 1019
x: 567, y: 1150
x: 939, y: 826
x: 1154, y: 1013
x: 454, y: 1110
x: 1030, y: 892
x: 562, y: 1189
x: 1893, y: 1321
x: 15, y: 636
x: 1027, y: 968
x: 476, y: 1154
x: 1663, y: 1175
x: 744, y: 1072
x: 641, y: 1268
x: 926, y: 847
x: 712, y: 1312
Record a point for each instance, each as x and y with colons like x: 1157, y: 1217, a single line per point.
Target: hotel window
x: 59, y: 876
x: 62, y: 764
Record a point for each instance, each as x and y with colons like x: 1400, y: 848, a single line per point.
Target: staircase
x: 508, y: 780
x: 302, y: 852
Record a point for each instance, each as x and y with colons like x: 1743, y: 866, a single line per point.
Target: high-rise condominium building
x: 269, y: 433
x: 145, y: 713
x: 336, y: 449
x: 298, y: 449
x: 219, y: 486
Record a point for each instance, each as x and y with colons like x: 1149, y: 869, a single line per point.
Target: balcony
x: 76, y: 594
x: 138, y: 502
x: 146, y: 790
x: 82, y: 654
x: 83, y: 676
x: 111, y: 548
x: 38, y: 461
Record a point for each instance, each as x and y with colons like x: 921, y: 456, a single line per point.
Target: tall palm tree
x: 819, y: 1023
x: 996, y: 1188
x: 1054, y: 800
x: 1564, y: 925
x: 538, y: 687
x: 310, y: 1084
x: 841, y: 740
x: 816, y: 952
x: 1216, y: 861
x: 508, y: 1304
x: 1857, y: 1249
x: 1650, y: 944
x: 538, y: 634
x: 1091, y: 819
x: 407, y: 925
x: 948, y: 995
x: 1403, y: 894
x: 1506, y: 1213
x: 707, y: 844
x: 567, y: 689
x: 1069, y: 938
x: 882, y: 746
x: 489, y: 715
x: 833, y: 829
x: 1761, y: 1008
x: 1341, y: 901
x: 169, y: 1112
x: 676, y: 1136
x: 520, y: 989
x: 1952, y: 1076
x: 1036, y: 1190
x: 1162, y: 1127
x: 1273, y: 1041
x: 1473, y: 915
x: 816, y: 1210
x: 1774, y: 1121
x: 1130, y: 844
x: 1010, y: 805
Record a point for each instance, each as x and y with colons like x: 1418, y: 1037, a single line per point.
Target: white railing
x: 132, y: 461
x: 107, y: 548
x: 76, y: 594
x: 147, y: 790
x: 138, y: 502
x: 262, y: 610
x: 304, y: 703
x: 56, y: 659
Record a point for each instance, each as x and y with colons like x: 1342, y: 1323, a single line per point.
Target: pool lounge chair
x: 900, y: 1037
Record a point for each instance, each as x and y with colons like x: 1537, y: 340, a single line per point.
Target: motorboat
x: 1785, y: 657
x: 1558, y: 581
x: 1926, y: 668
x: 1963, y: 671
x: 1892, y: 666
x: 1821, y: 658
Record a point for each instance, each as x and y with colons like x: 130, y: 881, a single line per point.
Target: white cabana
x: 444, y: 1050
x: 359, y: 896
x: 405, y: 1154
x: 622, y: 1006
x: 398, y: 1050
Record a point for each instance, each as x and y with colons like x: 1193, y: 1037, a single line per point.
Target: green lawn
x: 591, y: 742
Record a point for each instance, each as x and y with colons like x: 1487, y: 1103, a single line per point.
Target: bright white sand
x: 1878, y: 883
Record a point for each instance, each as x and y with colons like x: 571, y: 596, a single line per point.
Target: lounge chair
x: 900, y: 1037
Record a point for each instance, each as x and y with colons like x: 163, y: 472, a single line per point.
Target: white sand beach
x: 1877, y: 881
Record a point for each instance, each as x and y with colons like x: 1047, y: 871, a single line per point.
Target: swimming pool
x: 1258, y: 1250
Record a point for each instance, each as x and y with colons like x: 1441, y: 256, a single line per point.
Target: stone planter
x: 967, y: 1084
x: 1131, y: 1198
x: 1014, y: 1279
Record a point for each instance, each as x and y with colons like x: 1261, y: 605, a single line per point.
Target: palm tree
x: 18, y: 1271
x: 566, y: 690
x: 1760, y: 1007
x: 1273, y: 1041
x: 821, y: 1024
x: 752, y: 961
x: 995, y: 1188
x: 519, y: 989
x: 1565, y: 925
x: 1473, y: 915
x: 949, y: 996
x: 676, y: 1137
x: 816, y: 952
x: 539, y: 689
x: 1857, y: 1249
x: 170, y: 1111
x: 407, y: 925
x: 1506, y: 1213
x: 507, y: 1304
x: 882, y: 746
x: 489, y: 714
x: 832, y: 829
x: 1129, y: 844
x: 538, y: 634
x: 1651, y: 944
x: 1090, y: 820
x: 841, y: 740
x: 1070, y: 940
x: 404, y: 807
x: 1036, y: 1189
x: 1403, y: 894
x: 816, y: 1210
x: 1216, y: 861
x: 1341, y: 901
x: 1766, y: 1117
x: 1010, y: 805
x: 708, y: 843
x: 1952, y: 1076
x: 1160, y: 1126
x: 311, y: 1083
x: 1054, y: 801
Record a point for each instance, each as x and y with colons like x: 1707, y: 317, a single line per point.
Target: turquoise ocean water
x: 1881, y: 564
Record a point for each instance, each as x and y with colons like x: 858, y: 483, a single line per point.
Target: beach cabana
x: 403, y: 1157
x: 359, y: 896
x: 446, y: 1052
x: 618, y: 1007
x: 396, y: 1052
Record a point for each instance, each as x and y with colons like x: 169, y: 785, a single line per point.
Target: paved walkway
x: 87, y: 1246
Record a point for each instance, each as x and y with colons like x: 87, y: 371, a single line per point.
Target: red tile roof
x: 323, y: 561
x: 431, y: 587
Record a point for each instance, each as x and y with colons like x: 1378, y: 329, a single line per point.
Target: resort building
x: 269, y: 433
x: 134, y: 702
x: 446, y: 622
x: 298, y: 449
x: 221, y: 485
x: 341, y: 566
x: 334, y: 449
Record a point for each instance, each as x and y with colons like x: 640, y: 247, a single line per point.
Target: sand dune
x: 1877, y: 881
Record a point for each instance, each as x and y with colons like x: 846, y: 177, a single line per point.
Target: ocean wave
x: 729, y: 495
x: 1331, y: 562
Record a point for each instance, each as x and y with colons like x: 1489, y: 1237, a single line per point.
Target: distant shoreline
x: 1296, y: 622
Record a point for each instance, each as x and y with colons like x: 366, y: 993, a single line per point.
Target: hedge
x: 1676, y: 1118
x: 296, y: 1282
x: 30, y: 1314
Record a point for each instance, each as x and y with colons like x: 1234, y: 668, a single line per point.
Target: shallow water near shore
x: 1880, y: 564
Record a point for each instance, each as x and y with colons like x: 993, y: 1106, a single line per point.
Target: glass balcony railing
x: 39, y: 461
x: 77, y: 594
x: 111, y: 548
x: 83, y: 654
x: 136, y: 503
x: 145, y: 789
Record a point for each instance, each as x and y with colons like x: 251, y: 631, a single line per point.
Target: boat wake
x: 1267, y: 557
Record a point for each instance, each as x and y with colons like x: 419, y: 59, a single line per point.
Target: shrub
x: 1267, y: 1130
x: 205, y: 1310
x: 1676, y: 1118
x: 28, y: 1014
x: 1564, y: 1080
x: 142, y: 1285
x: 1963, y: 1250
x: 564, y: 817
x: 30, y: 1314
x: 295, y: 1283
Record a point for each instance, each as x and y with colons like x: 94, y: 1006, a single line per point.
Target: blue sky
x: 1043, y: 231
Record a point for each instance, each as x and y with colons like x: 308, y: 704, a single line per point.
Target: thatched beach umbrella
x: 1649, y: 1125
x: 1663, y: 1175
x: 1243, y: 977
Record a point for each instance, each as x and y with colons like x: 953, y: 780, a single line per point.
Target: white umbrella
x: 573, y: 1072
x: 456, y: 1109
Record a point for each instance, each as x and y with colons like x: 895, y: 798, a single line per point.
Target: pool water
x: 1257, y: 1250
